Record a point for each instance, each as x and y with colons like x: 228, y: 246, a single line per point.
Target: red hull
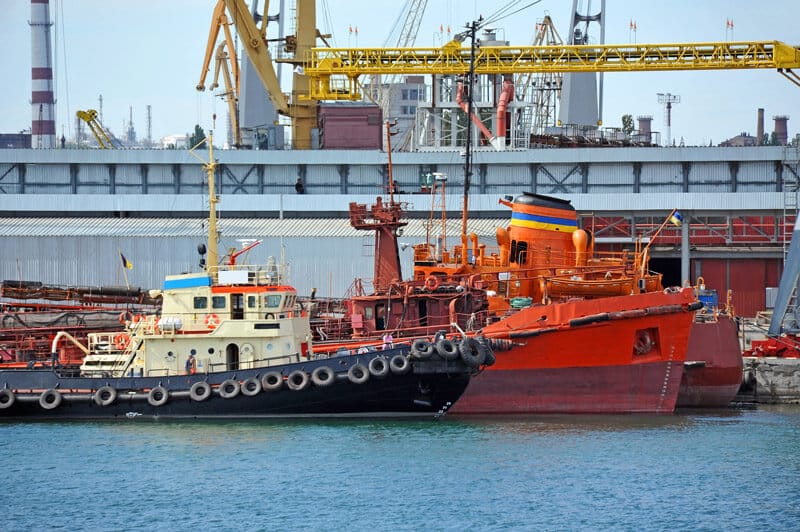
x: 713, y: 372
x: 641, y: 388
x: 583, y: 367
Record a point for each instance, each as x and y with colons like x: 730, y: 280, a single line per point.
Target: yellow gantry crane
x: 334, y: 72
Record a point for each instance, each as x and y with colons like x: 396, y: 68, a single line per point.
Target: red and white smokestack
x: 43, y: 124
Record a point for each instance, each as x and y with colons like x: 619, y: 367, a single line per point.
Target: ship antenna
x: 472, y: 28
x: 210, y: 167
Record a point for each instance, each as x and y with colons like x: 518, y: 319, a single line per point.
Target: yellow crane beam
x: 333, y: 72
x: 105, y: 140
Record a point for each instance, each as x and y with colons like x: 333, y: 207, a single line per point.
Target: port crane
x: 334, y: 73
x: 105, y: 139
x: 301, y: 109
x: 226, y: 63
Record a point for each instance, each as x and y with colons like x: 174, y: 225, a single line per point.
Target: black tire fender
x: 105, y: 396
x: 251, y: 387
x: 358, y: 373
x: 157, y: 396
x: 200, y: 391
x: 297, y: 380
x: 322, y: 376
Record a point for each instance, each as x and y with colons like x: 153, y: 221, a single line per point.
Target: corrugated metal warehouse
x: 67, y: 214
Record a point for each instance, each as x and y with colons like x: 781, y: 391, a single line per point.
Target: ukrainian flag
x: 125, y: 262
x: 676, y: 218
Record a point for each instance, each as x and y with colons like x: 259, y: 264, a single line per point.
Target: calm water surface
x: 713, y: 470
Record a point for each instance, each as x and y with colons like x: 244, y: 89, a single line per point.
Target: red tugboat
x: 573, y: 331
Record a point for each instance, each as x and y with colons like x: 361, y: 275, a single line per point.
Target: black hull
x: 426, y: 389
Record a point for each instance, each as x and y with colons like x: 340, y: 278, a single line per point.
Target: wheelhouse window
x: 272, y: 301
x: 200, y: 303
x: 218, y: 302
x: 251, y: 301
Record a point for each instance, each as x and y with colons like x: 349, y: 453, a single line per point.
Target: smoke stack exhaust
x: 760, y: 127
x: 43, y: 123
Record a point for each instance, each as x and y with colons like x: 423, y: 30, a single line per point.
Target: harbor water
x: 704, y: 470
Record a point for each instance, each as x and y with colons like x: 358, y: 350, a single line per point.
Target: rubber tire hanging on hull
x: 422, y: 349
x: 322, y: 376
x: 251, y: 387
x: 358, y: 374
x: 399, y: 364
x: 297, y: 380
x: 378, y: 367
x: 472, y: 352
x: 200, y: 391
x: 105, y: 396
x: 229, y: 389
x: 50, y: 399
x: 7, y: 398
x: 272, y: 381
x: 157, y: 396
x: 447, y: 349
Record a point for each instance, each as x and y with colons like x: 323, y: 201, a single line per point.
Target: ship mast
x: 210, y: 167
x: 472, y: 28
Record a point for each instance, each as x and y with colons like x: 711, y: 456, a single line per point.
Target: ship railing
x: 270, y: 274
x: 265, y: 362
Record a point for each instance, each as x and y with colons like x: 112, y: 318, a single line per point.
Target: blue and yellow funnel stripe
x: 547, y: 223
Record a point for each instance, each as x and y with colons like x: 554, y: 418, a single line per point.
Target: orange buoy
x: 432, y: 283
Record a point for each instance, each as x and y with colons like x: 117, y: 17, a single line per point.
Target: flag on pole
x: 125, y: 262
x: 676, y: 218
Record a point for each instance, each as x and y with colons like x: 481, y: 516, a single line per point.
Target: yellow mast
x: 210, y: 167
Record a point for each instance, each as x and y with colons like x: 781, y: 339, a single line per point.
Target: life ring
x: 471, y: 353
x: 50, y: 399
x: 378, y: 367
x: 297, y: 380
x: 121, y: 341
x: 322, y: 376
x: 200, y: 391
x: 7, y: 398
x: 229, y: 389
x: 105, y: 396
x: 272, y: 381
x: 358, y: 373
x: 157, y: 396
x: 432, y: 282
x: 269, y: 316
x: 422, y: 349
x: 399, y: 364
x: 125, y: 316
x: 212, y: 321
x: 251, y: 387
x: 447, y: 349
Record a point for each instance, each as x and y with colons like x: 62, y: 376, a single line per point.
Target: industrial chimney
x: 781, y: 129
x: 760, y: 127
x: 43, y: 123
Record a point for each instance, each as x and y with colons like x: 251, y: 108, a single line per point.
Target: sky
x: 150, y: 52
